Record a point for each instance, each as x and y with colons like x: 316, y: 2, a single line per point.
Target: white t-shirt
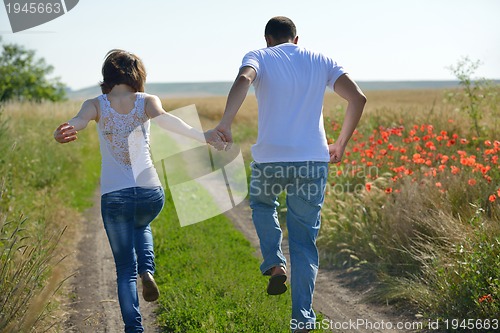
x: 290, y: 86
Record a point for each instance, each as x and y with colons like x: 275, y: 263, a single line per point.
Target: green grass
x: 210, y: 280
x: 43, y: 186
x: 37, y: 169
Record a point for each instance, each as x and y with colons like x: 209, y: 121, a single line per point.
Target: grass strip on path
x: 210, y: 280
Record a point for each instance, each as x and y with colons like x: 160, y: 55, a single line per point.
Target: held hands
x: 65, y: 133
x: 220, y: 137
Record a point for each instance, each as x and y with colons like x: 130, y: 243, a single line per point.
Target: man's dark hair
x: 281, y: 28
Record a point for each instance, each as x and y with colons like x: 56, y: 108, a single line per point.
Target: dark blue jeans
x: 127, y: 214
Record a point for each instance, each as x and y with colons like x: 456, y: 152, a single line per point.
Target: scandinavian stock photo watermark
x: 307, y: 180
x: 26, y: 14
x: 401, y: 326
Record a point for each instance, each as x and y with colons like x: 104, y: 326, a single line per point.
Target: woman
x: 132, y: 195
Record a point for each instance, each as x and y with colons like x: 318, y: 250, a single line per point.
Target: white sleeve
x: 250, y: 60
x: 334, y: 72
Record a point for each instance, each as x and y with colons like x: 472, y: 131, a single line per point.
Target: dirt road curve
x: 94, y: 305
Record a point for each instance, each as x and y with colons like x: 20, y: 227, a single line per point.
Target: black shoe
x: 276, y: 285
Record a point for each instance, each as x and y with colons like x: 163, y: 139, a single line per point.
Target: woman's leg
x: 143, y: 239
x: 149, y: 204
x: 118, y: 213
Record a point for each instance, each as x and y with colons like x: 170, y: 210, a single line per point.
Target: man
x: 291, y: 153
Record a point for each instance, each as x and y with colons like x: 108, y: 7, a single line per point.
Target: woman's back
x: 123, y: 128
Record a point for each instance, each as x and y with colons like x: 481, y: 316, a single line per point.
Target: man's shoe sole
x: 277, y: 284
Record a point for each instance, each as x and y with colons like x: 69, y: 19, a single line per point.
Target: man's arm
x: 356, y: 100
x: 66, y: 132
x: 235, y: 98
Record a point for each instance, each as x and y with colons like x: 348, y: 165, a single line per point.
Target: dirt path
x: 93, y: 305
x: 344, y: 308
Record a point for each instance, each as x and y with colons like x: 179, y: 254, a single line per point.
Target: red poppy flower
x: 485, y: 298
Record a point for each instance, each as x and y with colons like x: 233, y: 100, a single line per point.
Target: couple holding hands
x: 290, y: 83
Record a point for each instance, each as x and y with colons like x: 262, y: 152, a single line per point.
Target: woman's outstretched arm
x: 171, y: 123
x: 67, y: 132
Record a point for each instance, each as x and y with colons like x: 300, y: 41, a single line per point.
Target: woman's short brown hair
x: 122, y: 67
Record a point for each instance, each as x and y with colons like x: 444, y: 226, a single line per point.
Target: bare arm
x: 235, y: 98
x: 66, y: 132
x: 171, y: 123
x: 356, y: 100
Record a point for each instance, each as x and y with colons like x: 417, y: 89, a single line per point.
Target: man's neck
x: 273, y: 42
x: 280, y: 43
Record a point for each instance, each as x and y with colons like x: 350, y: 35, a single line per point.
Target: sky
x: 203, y: 41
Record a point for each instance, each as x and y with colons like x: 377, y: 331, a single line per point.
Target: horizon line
x: 358, y: 81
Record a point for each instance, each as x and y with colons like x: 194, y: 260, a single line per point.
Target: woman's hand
x: 65, y: 133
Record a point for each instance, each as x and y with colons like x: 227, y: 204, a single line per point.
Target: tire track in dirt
x: 93, y: 305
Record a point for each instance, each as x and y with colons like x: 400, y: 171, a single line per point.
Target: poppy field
x: 413, y: 210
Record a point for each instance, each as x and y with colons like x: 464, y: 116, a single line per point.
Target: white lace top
x: 124, y: 142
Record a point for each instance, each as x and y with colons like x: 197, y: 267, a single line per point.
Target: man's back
x: 290, y: 86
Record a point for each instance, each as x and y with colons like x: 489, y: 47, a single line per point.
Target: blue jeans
x: 127, y: 214
x: 304, y: 183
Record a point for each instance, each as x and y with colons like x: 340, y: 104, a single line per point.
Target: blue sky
x: 196, y: 40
